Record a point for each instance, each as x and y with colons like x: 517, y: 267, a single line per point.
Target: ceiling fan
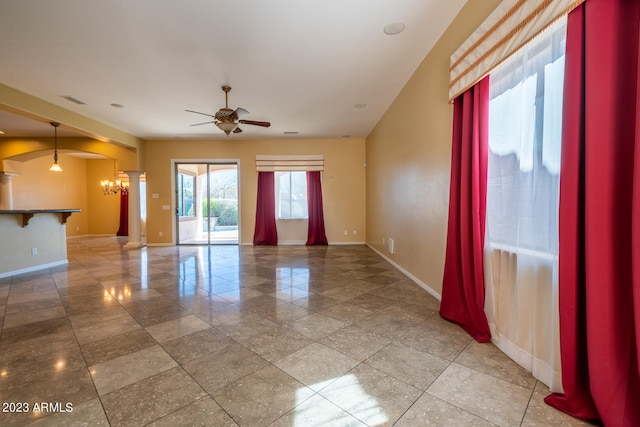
x: 227, y: 119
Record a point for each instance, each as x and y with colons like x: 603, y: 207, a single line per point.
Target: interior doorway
x: 207, y: 203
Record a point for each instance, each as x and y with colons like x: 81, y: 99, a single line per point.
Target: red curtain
x: 265, y: 232
x: 599, y: 257
x: 316, y: 234
x: 123, y: 229
x: 463, y: 282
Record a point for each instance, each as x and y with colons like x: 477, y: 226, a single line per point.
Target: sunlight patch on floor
x: 354, y: 402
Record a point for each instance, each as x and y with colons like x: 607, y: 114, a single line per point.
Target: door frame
x: 174, y: 204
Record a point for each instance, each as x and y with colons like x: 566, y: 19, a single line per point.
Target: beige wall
x: 76, y: 187
x: 37, y: 188
x: 44, y: 235
x: 24, y: 149
x: 343, y: 181
x: 408, y: 160
x: 103, y: 211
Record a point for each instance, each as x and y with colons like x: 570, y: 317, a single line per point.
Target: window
x: 185, y: 190
x: 291, y: 195
x: 523, y: 177
x: 525, y: 118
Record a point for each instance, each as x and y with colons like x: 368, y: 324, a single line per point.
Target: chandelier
x: 111, y: 187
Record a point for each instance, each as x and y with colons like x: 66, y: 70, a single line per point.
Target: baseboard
x: 34, y: 268
x: 93, y: 235
x: 409, y: 275
x: 303, y: 243
x: 291, y: 242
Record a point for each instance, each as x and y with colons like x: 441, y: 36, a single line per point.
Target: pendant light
x: 55, y: 167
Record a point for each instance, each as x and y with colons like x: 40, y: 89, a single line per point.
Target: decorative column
x: 6, y: 192
x: 135, y: 234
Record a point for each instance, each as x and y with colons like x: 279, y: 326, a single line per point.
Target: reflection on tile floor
x: 249, y: 336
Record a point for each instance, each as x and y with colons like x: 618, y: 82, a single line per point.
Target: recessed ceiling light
x: 394, y: 28
x: 359, y: 105
x: 1, y: 132
x: 117, y: 105
x: 346, y: 136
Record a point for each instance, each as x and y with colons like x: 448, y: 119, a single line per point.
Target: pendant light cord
x: 55, y: 141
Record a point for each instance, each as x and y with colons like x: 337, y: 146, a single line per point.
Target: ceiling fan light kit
x: 226, y: 127
x: 228, y: 119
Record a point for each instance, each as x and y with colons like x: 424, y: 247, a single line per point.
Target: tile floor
x: 249, y: 336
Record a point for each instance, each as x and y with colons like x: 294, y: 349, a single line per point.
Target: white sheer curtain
x: 521, y: 253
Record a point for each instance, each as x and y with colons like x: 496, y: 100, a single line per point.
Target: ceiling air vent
x: 72, y: 99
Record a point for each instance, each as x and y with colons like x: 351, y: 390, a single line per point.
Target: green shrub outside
x: 225, y: 209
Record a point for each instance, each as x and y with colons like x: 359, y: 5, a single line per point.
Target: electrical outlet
x: 160, y: 233
x: 355, y: 232
x: 391, y: 246
x: 34, y: 251
x: 345, y: 232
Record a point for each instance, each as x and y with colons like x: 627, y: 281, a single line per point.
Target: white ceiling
x: 300, y: 64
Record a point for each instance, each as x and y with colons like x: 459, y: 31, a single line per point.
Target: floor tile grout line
x: 157, y: 343
x: 526, y: 409
x: 200, y: 283
x: 73, y: 331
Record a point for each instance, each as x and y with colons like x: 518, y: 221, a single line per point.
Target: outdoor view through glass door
x: 207, y: 203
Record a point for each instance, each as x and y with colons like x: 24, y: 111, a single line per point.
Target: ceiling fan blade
x: 237, y: 113
x: 198, y: 112
x: 237, y: 130
x: 203, y: 123
x: 255, y: 123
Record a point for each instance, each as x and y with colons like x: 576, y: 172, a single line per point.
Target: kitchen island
x: 32, y: 239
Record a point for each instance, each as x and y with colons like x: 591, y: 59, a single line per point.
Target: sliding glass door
x: 207, y: 203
